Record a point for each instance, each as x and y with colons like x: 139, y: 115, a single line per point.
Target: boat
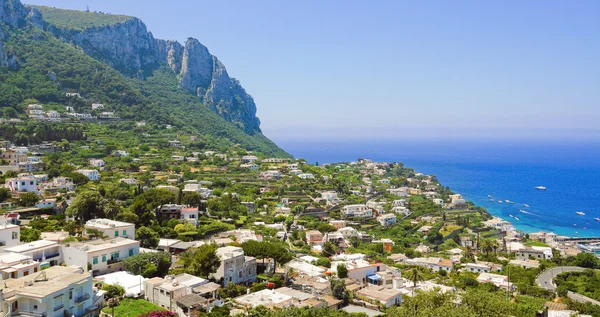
x: 521, y: 210
x: 489, y: 196
x: 516, y: 218
x: 512, y: 202
x: 597, y: 219
x: 526, y: 205
x: 574, y: 225
x: 507, y: 201
x: 540, y: 188
x: 581, y: 213
x: 500, y: 201
x: 491, y: 200
x: 511, y: 216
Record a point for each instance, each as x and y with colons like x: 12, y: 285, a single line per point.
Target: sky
x: 388, y: 69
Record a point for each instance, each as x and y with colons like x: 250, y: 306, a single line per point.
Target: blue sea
x: 506, y: 170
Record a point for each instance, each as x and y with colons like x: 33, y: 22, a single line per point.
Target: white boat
x: 597, y: 219
x: 526, y: 205
x: 491, y: 200
x: 540, y: 188
x: 516, y: 218
x: 581, y: 213
x: 500, y: 201
x: 507, y: 201
x: 489, y: 196
x: 511, y: 216
x: 521, y: 210
x: 574, y: 225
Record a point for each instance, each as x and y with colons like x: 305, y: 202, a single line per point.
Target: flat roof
x: 31, y: 246
x: 358, y: 309
x: 46, y: 282
x: 106, y: 223
x: 100, y: 244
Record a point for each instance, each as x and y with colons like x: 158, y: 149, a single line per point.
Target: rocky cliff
x: 12, y: 14
x: 130, y: 48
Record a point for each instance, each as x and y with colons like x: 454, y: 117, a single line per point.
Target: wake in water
x: 527, y: 212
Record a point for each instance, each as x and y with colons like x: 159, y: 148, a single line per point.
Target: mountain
x: 151, y: 79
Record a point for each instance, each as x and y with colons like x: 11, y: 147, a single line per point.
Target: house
x: 500, y: 281
x: 338, y: 224
x: 197, y: 188
x: 425, y: 229
x: 482, y: 267
x: 128, y: 181
x: 97, y: 162
x: 387, y: 219
x: 360, y: 270
x: 536, y: 253
x: 235, y: 266
x: 466, y: 241
x: 97, y: 106
x: 386, y: 296
x: 175, y: 143
x: 252, y: 167
x: 190, y: 215
x: 249, y: 158
x: 120, y: 153
x: 266, y: 297
x: 112, y: 228
x: 357, y: 211
x: 527, y: 264
x: 92, y: 175
x: 397, y: 257
x: 306, y: 176
x: 402, y: 211
x: 22, y: 184
x: 101, y: 256
x: 270, y: 175
x: 46, y: 203
x: 59, y: 183
x: 133, y: 284
x: 170, y: 211
x: 9, y: 233
x: 400, y: 192
x: 40, y: 251
x: 305, y: 268
x: 13, y: 157
x: 56, y: 291
x: 314, y: 237
x: 14, y: 265
x: 435, y: 264
x: 164, y: 291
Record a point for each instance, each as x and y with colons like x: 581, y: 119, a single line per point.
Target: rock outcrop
x: 131, y: 49
x: 12, y: 14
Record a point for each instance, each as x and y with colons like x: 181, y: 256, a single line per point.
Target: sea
x: 504, y: 169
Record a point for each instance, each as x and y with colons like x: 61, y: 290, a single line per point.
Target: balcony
x: 21, y: 313
x: 82, y: 298
x: 61, y: 306
x: 113, y: 261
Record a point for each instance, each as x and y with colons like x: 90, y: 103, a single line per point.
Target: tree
x: 185, y: 227
x: 586, y: 260
x: 415, y: 276
x: 87, y: 205
x: 151, y: 264
x: 338, y: 290
x: 148, y: 238
x: 30, y: 235
x: 4, y: 194
x: 113, y: 290
x: 342, y: 271
x: 28, y: 199
x: 329, y: 249
x: 202, y: 261
x: 486, y: 246
x: 93, y: 233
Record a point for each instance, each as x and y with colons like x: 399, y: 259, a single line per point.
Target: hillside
x: 37, y: 67
x: 79, y: 20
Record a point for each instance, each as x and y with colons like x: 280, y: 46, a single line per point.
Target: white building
x: 133, y: 284
x: 190, y: 215
x: 112, y: 228
x: 306, y: 176
x: 128, y: 181
x: 500, y: 281
x: 9, y: 233
x: 46, y: 203
x: 197, y: 188
x: 164, y: 291
x: 93, y: 175
x: 436, y: 264
x: 97, y: 162
x: 235, y: 266
x: 357, y: 211
x: 387, y: 219
x: 56, y: 291
x: 22, y: 184
x: 14, y: 265
x: 43, y: 251
x: 534, y: 252
x: 386, y: 296
x: 102, y: 256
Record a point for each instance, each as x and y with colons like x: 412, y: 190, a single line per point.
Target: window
x: 70, y: 294
x: 103, y: 257
x: 240, y: 274
x: 130, y: 252
x: 124, y: 232
x: 95, y: 260
x: 116, y: 233
x: 115, y: 255
x: 31, y: 183
x: 15, y: 235
x: 22, y: 183
x: 35, y: 307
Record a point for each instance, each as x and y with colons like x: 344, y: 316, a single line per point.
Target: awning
x: 374, y: 277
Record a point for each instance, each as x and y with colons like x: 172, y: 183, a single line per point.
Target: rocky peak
x: 12, y: 12
x: 196, y: 67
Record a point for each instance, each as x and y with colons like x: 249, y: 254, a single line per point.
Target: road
x: 544, y: 280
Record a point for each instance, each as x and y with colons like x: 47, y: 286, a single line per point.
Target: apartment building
x: 112, y: 228
x: 235, y: 266
x: 100, y: 256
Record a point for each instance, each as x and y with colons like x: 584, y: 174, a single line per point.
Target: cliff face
x: 131, y: 49
x: 12, y: 14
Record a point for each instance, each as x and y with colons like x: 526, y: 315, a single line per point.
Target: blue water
x: 504, y: 169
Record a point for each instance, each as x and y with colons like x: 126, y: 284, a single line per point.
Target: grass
x: 536, y: 244
x: 78, y: 20
x: 132, y: 308
x: 448, y: 229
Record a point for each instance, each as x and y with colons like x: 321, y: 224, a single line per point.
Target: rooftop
x: 46, y: 282
x: 379, y: 292
x: 106, y: 223
x: 100, y: 244
x: 31, y: 246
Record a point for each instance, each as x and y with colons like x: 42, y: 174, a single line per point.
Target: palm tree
x: 495, y: 245
x: 415, y: 276
x: 486, y: 246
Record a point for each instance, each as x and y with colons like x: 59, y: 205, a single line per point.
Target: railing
x: 52, y: 255
x: 82, y: 298
x: 61, y: 306
x: 113, y: 261
x: 27, y: 314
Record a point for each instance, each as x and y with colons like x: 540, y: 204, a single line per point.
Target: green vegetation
x: 586, y: 283
x: 78, y: 20
x: 132, y: 308
x: 536, y: 244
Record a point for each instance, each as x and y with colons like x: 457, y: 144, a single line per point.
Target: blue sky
x: 397, y: 68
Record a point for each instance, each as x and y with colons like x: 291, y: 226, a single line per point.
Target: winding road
x: 544, y: 280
